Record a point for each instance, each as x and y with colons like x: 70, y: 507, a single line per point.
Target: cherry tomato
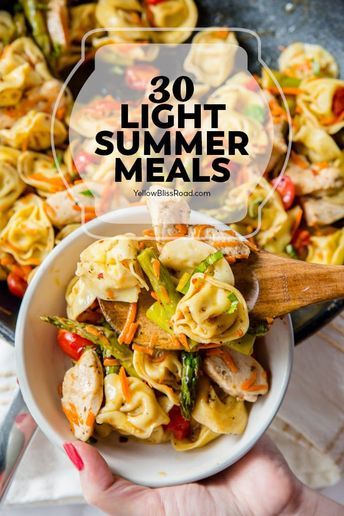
x: 301, y: 239
x: 154, y: 2
x: 16, y: 284
x: 72, y: 344
x: 338, y: 102
x: 251, y: 84
x: 178, y: 425
x: 285, y: 187
x: 83, y: 159
x: 138, y: 76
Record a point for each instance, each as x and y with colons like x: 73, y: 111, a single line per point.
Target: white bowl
x: 41, y: 367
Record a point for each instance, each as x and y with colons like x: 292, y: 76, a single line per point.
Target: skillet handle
x: 16, y: 431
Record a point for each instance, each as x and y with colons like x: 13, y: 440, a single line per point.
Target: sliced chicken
x: 82, y: 391
x: 320, y: 211
x: 239, y: 375
x: 170, y: 218
x: 311, y: 180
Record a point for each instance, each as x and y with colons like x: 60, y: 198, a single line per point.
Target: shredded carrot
x: 165, y: 294
x: 286, y: 90
x: 254, y: 388
x: 199, y: 230
x: 228, y: 359
x: 132, y: 330
x: 225, y: 243
x: 71, y: 413
x: 108, y: 362
x: 182, y: 230
x: 322, y: 164
x: 250, y: 381
x: 156, y: 268
x: 297, y: 222
x: 298, y: 160
x: 125, y: 385
x: 184, y: 341
x: 97, y: 333
x: 131, y: 316
x: 154, y: 296
x: 148, y: 232
x: 143, y: 349
x: 141, y: 245
x: 153, y: 340
x: 55, y: 181
x: 90, y: 419
x: 330, y: 120
x: 176, y: 343
x: 211, y: 345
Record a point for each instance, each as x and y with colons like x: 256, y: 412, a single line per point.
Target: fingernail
x: 74, y: 456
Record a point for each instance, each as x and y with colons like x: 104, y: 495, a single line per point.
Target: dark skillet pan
x: 278, y: 23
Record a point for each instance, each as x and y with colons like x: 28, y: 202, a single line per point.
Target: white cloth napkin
x: 308, y: 429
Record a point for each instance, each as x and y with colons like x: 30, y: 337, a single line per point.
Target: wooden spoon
x: 272, y: 286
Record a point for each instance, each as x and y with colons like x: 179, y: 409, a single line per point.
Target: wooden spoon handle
x: 286, y: 285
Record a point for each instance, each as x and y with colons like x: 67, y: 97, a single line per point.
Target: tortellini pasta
x: 212, y: 55
x: 110, y: 269
x: 317, y: 144
x: 205, y: 315
x: 82, y: 19
x: 11, y: 186
x: 327, y: 249
x: 79, y: 297
x: 28, y: 236
x: 138, y: 416
x: 222, y: 416
x: 175, y: 14
x: 316, y: 102
x: 199, y: 437
x: 33, y: 131
x: 122, y: 14
x: 40, y: 171
x: 184, y: 254
x: 307, y: 60
x: 163, y: 372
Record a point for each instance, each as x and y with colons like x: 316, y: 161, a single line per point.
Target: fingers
x: 110, y: 493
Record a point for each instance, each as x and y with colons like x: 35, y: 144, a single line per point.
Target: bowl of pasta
x: 151, y: 352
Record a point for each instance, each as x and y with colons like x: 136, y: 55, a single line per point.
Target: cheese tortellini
x: 33, y: 131
x: 184, y: 254
x: 11, y: 186
x: 317, y: 144
x: 28, y: 235
x: 163, y: 373
x: 222, y: 416
x: 39, y: 170
x: 316, y: 102
x: 205, y: 314
x: 327, y: 249
x: 306, y: 60
x: 138, y: 416
x: 212, y: 54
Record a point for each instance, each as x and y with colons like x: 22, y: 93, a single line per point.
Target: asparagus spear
x: 190, y: 372
x: 157, y: 314
x: 33, y: 12
x: 100, y: 336
x: 163, y: 285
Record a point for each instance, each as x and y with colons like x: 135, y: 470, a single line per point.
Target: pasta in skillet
x: 11, y: 186
x: 28, y: 235
x: 211, y: 58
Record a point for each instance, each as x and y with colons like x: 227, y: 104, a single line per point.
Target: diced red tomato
x: 154, y: 2
x: 138, y: 76
x: 301, y: 239
x: 251, y: 84
x: 72, y: 344
x: 16, y: 284
x: 338, y: 102
x: 178, y: 425
x: 286, y: 188
x: 83, y: 159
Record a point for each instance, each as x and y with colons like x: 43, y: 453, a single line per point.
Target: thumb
x: 110, y: 493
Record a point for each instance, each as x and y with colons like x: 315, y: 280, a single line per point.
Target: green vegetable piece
x: 157, y: 314
x: 87, y: 193
x: 258, y: 328
x: 202, y: 267
x: 191, y: 363
x: 234, y: 303
x: 101, y: 336
x: 244, y: 345
x: 163, y: 286
x: 256, y: 112
x: 285, y: 81
x: 290, y: 249
x: 33, y: 12
x: 183, y: 282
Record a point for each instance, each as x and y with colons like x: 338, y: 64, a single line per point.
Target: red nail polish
x: 74, y: 456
